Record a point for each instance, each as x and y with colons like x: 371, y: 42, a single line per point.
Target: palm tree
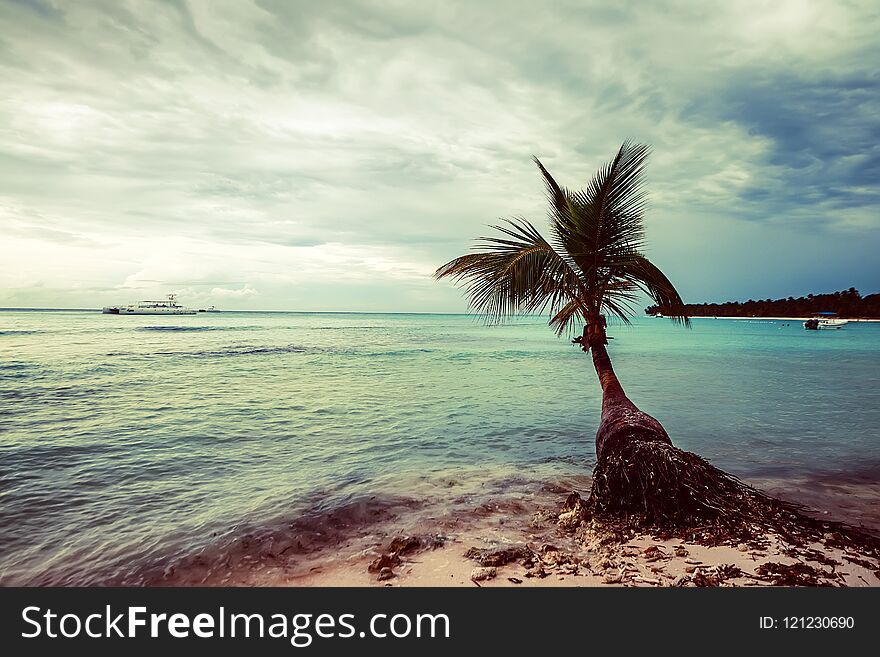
x: 592, y: 267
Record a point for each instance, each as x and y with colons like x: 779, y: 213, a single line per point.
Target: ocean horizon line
x: 418, y: 313
x: 300, y: 312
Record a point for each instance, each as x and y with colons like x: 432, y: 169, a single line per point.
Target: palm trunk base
x: 658, y: 484
x: 654, y: 486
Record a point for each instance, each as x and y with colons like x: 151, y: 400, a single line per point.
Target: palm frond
x: 604, y: 221
x: 516, y: 273
x: 573, y: 311
x: 648, y: 277
x: 619, y: 297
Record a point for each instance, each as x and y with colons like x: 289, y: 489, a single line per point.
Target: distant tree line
x: 846, y: 303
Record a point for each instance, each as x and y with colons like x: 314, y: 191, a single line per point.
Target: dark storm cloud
x: 823, y: 134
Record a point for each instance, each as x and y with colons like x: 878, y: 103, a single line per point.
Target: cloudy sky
x: 273, y: 154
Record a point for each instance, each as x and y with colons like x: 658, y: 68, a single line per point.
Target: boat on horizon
x: 168, y: 306
x: 825, y: 321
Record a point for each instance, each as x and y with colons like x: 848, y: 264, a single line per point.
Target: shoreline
x: 514, y: 525
x: 517, y: 538
x: 537, y: 549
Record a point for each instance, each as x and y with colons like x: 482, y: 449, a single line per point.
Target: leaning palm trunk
x: 641, y: 479
x: 622, y: 422
x: 639, y: 474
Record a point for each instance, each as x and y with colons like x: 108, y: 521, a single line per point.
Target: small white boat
x: 825, y: 321
x: 209, y: 309
x: 167, y: 307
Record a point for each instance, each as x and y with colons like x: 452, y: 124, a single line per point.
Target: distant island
x: 846, y: 303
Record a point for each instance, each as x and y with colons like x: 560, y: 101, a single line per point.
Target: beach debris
x: 702, y: 579
x: 653, y: 553
x: 835, y: 540
x: 481, y: 573
x: 796, y: 574
x: 728, y: 571
x: 538, y: 571
x: 553, y: 558
x: 859, y: 562
x: 385, y: 573
x: 401, y: 546
x: 811, y: 554
x: 383, y: 561
x: 574, y: 511
x: 544, y: 516
x: 605, y: 563
x: 500, y: 556
x: 680, y: 581
x: 715, y: 575
x: 404, y: 544
x: 611, y: 578
x: 680, y: 551
x: 514, y: 580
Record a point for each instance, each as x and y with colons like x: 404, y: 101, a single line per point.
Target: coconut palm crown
x: 591, y: 266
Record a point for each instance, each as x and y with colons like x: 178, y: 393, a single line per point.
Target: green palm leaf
x: 517, y: 273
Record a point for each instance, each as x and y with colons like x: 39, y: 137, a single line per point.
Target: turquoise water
x: 129, y: 442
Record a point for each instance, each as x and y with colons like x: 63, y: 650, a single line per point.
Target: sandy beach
x: 538, y: 551
x: 523, y: 542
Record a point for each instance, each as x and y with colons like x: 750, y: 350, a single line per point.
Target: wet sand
x: 517, y: 540
x: 558, y: 559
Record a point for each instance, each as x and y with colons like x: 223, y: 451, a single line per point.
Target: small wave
x: 19, y: 332
x: 196, y: 329
x: 579, y: 461
x: 18, y: 365
x: 401, y: 352
x: 324, y: 525
x: 237, y: 351
x: 20, y: 370
x: 54, y: 394
x: 289, y: 349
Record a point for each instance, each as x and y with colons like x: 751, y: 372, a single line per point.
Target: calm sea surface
x: 128, y: 441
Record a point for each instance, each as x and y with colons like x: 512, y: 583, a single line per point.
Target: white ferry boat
x: 167, y: 307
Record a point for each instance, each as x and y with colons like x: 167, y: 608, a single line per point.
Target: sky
x: 284, y: 155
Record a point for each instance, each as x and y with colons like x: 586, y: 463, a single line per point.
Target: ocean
x: 131, y: 447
